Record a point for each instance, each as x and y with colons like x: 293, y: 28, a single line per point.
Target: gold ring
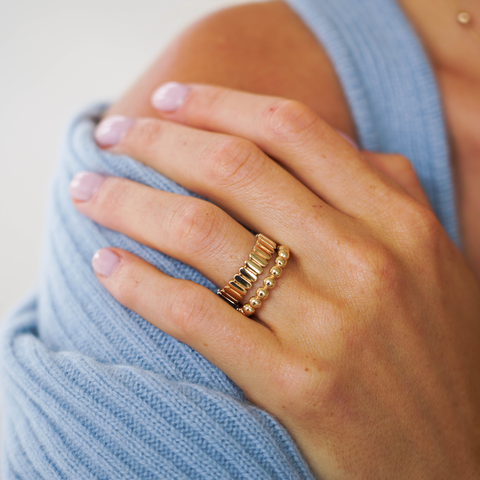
x: 248, y: 274
x: 269, y: 282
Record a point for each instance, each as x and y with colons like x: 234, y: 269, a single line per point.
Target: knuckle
x: 423, y: 228
x: 381, y: 271
x: 188, y: 309
x: 196, y: 226
x: 305, y: 385
x: 373, y: 269
x: 289, y: 121
x: 232, y: 160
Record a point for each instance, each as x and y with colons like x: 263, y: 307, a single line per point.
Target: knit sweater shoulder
x: 90, y: 390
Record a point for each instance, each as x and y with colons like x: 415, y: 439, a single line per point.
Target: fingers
x: 289, y: 132
x: 192, y: 314
x: 193, y: 231
x: 233, y: 173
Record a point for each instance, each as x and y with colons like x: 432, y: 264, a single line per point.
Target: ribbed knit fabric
x: 390, y: 88
x: 91, y: 390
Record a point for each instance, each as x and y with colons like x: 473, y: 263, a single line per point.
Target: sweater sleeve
x: 93, y: 391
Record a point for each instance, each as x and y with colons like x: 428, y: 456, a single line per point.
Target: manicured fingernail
x: 112, y: 129
x: 84, y: 185
x: 350, y: 140
x: 105, y: 262
x: 170, y: 96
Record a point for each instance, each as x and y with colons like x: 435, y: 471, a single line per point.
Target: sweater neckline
x: 390, y: 88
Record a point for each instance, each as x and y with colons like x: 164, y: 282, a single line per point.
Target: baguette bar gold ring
x: 248, y: 274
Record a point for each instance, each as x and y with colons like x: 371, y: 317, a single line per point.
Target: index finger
x: 287, y: 131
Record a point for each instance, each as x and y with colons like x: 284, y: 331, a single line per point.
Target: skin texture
x: 384, y: 364
x: 243, y: 48
x: 455, y: 55
x: 367, y: 350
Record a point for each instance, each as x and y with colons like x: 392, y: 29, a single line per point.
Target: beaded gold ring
x: 269, y: 282
x: 248, y: 274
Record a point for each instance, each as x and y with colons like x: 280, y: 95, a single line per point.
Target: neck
x: 451, y: 46
x: 455, y: 56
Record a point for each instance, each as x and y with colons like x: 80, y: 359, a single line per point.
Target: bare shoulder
x: 258, y: 47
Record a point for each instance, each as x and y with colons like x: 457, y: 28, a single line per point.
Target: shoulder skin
x: 262, y: 48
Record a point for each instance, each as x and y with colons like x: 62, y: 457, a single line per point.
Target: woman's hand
x: 367, y: 350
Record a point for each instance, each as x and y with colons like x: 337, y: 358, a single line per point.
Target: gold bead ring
x: 269, y: 282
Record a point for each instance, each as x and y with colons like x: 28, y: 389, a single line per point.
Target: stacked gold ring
x: 248, y: 274
x: 283, y: 254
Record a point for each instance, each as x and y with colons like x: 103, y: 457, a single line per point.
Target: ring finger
x: 193, y: 231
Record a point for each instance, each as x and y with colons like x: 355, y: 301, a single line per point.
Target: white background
x: 57, y: 56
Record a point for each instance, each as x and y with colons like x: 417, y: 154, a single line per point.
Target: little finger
x: 241, y: 348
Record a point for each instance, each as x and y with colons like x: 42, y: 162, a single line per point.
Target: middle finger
x: 234, y: 174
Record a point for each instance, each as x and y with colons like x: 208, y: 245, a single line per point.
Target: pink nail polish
x: 170, y: 96
x: 105, y: 262
x: 112, y: 129
x: 350, y: 140
x: 84, y: 185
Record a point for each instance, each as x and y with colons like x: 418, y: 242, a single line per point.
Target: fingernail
x: 112, y: 129
x: 84, y: 185
x: 105, y: 262
x: 170, y: 96
x: 350, y: 140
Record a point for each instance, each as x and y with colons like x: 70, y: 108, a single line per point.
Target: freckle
x: 306, y: 369
x: 306, y: 356
x: 283, y: 406
x: 205, y: 344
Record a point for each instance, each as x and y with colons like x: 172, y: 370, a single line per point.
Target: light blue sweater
x: 92, y: 391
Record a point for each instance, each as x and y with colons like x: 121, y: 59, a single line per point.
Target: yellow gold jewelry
x: 248, y: 274
x: 283, y: 254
